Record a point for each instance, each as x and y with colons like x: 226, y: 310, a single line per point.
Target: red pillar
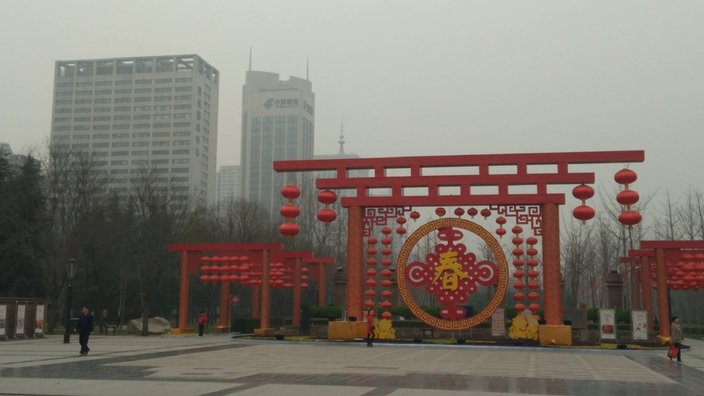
x: 265, y: 301
x: 296, y: 309
x: 663, y: 308
x: 224, y: 304
x: 183, y: 293
x: 256, y: 301
x: 354, y: 261
x: 552, y: 276
x: 645, y: 289
x: 322, y: 283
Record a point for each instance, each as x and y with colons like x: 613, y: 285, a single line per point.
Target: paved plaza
x: 218, y: 365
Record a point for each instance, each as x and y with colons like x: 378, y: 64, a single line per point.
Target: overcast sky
x: 407, y: 77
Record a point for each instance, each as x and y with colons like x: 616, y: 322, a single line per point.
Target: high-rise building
x: 229, y: 183
x: 158, y: 113
x: 277, y: 124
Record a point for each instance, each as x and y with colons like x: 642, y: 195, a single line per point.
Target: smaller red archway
x: 668, y: 265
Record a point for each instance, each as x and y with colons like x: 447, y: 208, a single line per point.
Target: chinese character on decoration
x: 452, y: 273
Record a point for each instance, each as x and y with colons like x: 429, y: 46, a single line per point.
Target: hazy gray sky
x: 407, y: 77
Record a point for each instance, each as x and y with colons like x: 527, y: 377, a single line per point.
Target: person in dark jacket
x: 84, y: 327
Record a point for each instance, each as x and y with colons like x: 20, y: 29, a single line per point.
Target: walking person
x: 370, y: 327
x: 677, y: 337
x: 202, y: 321
x: 84, y: 327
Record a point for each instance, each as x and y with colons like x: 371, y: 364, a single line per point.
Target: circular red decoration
x: 472, y: 212
x: 415, y: 215
x: 290, y: 192
x: 401, y: 220
x: 459, y: 212
x: 532, y: 240
x: 625, y: 176
x: 500, y: 220
x: 517, y: 230
x: 500, y: 231
x: 386, y: 230
x: 327, y: 197
x: 371, y: 241
x: 440, y: 212
x: 401, y: 231
x: 485, y: 213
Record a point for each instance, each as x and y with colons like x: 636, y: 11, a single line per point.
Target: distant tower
x: 277, y: 124
x: 158, y: 112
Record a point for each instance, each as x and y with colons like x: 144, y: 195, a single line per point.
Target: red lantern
x: 500, y: 231
x: 629, y: 217
x: 415, y: 215
x: 327, y: 197
x: 326, y: 215
x: 401, y: 220
x: 625, y: 176
x: 290, y: 192
x: 440, y: 212
x: 459, y: 212
x: 583, y: 213
x: 583, y: 192
x: 386, y: 230
x: 627, y: 197
x: 472, y: 212
x: 289, y: 229
x: 485, y: 213
x: 517, y: 230
x: 289, y: 211
x: 401, y: 231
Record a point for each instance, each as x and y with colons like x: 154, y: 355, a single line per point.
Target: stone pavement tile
x: 423, y: 392
x: 38, y: 386
x: 298, y: 390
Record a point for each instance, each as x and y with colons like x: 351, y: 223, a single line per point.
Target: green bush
x: 327, y: 311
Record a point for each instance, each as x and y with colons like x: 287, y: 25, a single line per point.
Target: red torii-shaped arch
x: 383, y: 176
x: 191, y: 254
x: 663, y: 253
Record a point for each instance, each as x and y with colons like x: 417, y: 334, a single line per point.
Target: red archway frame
x: 343, y: 169
x: 265, y: 254
x: 653, y: 257
x: 501, y: 285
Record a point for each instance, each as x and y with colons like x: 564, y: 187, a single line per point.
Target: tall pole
x: 71, y: 271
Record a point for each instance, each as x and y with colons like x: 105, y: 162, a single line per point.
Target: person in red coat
x: 370, y: 326
x: 202, y: 321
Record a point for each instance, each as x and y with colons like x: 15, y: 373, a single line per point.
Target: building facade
x: 277, y: 124
x: 144, y: 113
x: 229, y: 183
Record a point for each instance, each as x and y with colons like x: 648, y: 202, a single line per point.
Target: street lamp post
x: 70, y: 272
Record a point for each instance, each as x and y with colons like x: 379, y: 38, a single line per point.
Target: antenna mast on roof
x: 342, y: 137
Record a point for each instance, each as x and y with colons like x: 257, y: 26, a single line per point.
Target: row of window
x: 137, y: 99
x: 124, y: 91
x: 140, y: 81
x: 139, y: 117
x: 107, y: 127
x: 185, y: 106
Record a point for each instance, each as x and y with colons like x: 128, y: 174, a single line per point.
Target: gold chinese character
x: 451, y: 279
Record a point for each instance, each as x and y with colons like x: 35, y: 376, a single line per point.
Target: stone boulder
x: 157, y: 326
